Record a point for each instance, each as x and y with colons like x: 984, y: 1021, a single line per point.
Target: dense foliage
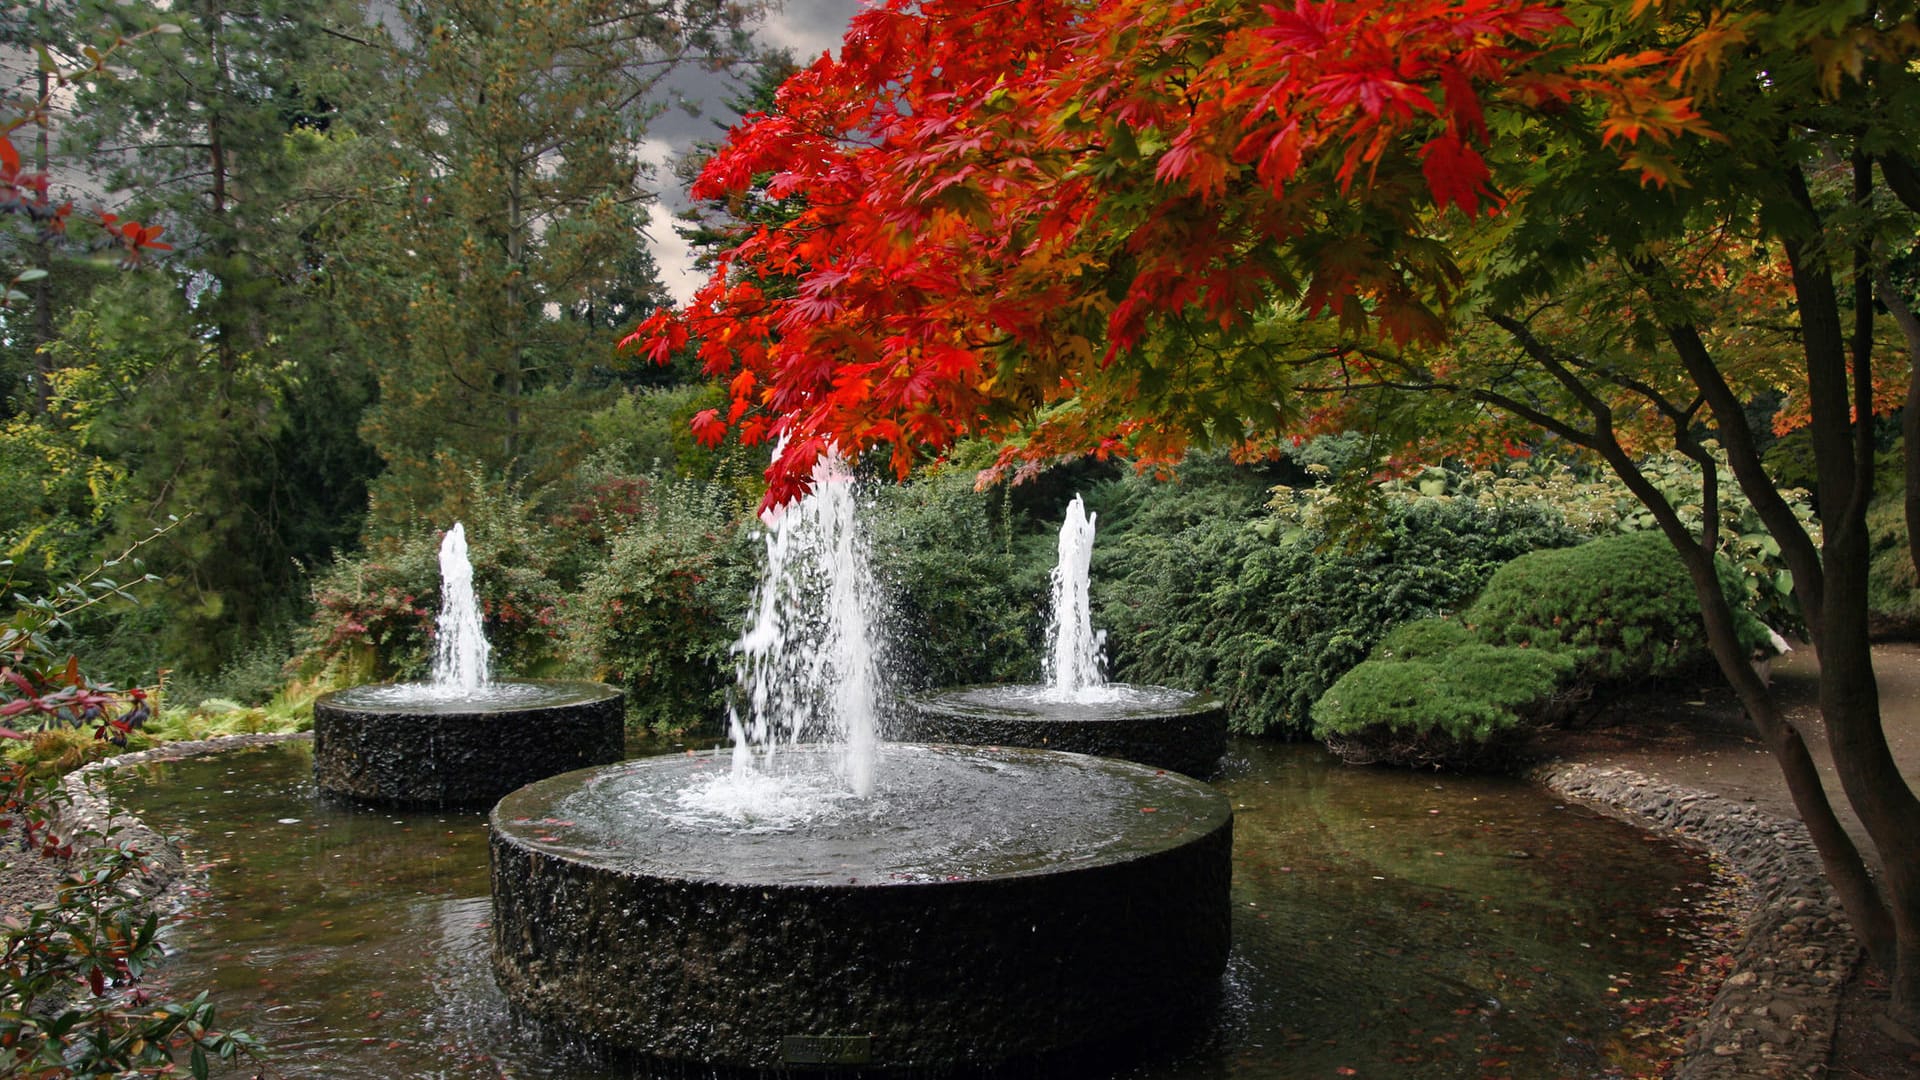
x: 1621, y: 607
x: 660, y: 613
x: 968, y: 575
x: 1268, y: 611
x: 303, y: 374
x: 1550, y: 628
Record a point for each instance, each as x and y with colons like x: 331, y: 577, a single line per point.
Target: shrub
x: 374, y: 613
x: 1464, y: 704
x: 72, y: 1001
x: 1422, y: 639
x: 967, y: 577
x: 1268, y: 609
x: 660, y: 617
x: 1622, y: 606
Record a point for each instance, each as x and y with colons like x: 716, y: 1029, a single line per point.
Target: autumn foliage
x: 1000, y: 199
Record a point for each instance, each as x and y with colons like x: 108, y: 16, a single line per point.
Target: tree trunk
x: 1849, y: 696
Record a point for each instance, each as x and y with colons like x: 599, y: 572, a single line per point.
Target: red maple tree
x: 979, y: 241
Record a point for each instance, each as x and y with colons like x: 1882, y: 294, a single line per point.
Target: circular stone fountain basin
x: 1153, y: 725
x: 983, y: 905
x: 415, y: 744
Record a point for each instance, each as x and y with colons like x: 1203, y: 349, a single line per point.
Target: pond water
x: 1386, y: 924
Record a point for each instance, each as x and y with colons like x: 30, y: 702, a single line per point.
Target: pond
x: 1386, y: 924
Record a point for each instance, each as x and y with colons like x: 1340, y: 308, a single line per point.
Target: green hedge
x: 1431, y: 695
x: 1269, y: 613
x: 1622, y: 606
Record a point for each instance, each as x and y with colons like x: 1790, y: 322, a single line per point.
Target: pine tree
x: 520, y: 198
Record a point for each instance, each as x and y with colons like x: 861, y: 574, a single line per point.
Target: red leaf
x: 1455, y: 173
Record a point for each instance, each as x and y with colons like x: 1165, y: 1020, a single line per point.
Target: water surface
x: 1392, y: 924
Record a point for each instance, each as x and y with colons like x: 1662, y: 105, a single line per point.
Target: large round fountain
x: 812, y: 898
x: 1075, y: 708
x: 461, y: 739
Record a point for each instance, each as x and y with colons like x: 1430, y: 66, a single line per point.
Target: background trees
x: 500, y: 252
x: 404, y: 240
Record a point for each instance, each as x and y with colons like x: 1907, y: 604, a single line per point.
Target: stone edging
x: 90, y: 810
x: 1774, y: 1016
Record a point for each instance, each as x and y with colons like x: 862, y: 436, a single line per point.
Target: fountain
x: 1076, y: 708
x: 462, y: 738
x: 814, y: 898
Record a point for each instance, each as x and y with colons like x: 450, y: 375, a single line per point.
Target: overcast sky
x: 807, y: 28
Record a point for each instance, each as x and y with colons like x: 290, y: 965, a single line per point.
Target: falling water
x: 460, y: 648
x: 1074, y: 667
x: 808, y: 663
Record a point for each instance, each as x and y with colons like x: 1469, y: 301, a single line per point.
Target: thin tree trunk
x: 42, y: 258
x: 511, y: 384
x: 1909, y: 325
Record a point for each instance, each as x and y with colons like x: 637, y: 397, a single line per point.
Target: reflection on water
x: 1394, y: 924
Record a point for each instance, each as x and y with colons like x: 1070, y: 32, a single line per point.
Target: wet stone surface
x: 1153, y: 725
x: 1775, y: 1014
x: 1078, y: 902
x: 435, y: 752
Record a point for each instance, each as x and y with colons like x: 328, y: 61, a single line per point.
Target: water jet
x: 462, y: 738
x: 1075, y: 708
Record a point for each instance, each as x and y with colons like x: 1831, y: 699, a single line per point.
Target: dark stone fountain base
x: 1153, y: 725
x: 400, y: 745
x: 984, y: 906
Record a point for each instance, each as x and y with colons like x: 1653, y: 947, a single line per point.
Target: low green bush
x: 1462, y: 704
x: 1422, y: 639
x: 1622, y: 606
x: 1893, y: 588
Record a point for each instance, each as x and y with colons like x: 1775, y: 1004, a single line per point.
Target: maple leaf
x: 1455, y: 173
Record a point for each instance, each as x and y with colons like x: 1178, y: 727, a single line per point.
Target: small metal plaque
x: 826, y: 1049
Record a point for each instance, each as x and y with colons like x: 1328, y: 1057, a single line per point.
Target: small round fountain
x: 812, y: 898
x: 1075, y: 708
x: 462, y: 738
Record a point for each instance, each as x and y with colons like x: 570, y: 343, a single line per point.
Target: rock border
x: 1774, y: 1016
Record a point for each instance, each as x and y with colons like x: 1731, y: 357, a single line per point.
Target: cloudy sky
x: 806, y: 28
